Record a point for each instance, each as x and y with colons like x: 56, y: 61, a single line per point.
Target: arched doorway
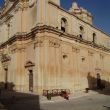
x: 29, y: 66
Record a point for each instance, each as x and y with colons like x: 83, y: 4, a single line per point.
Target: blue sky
x: 100, y: 9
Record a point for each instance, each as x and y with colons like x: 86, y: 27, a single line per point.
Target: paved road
x: 92, y: 102
x: 24, y: 101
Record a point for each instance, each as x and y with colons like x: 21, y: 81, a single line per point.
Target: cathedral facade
x: 43, y: 46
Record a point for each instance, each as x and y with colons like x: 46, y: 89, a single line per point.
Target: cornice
x: 49, y: 29
x: 8, y: 8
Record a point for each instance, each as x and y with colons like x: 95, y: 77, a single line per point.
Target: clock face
x: 31, y: 2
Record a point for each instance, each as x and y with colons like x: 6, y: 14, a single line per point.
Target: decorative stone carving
x: 15, y: 48
x: 101, y: 56
x: 53, y: 43
x: 21, y: 6
x: 90, y: 53
x: 5, y: 58
x: 31, y: 3
x: 75, y: 49
x: 29, y: 65
x: 5, y: 65
x: 98, y: 70
x: 39, y: 43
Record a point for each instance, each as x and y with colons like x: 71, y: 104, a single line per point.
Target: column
x: 39, y: 65
x: 77, y: 69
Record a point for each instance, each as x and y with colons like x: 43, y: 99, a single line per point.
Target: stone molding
x: 17, y: 50
x: 49, y: 29
x: 98, y: 70
x: 39, y: 43
x: 15, y: 7
x: 29, y: 64
x: 5, y: 65
x: 75, y: 49
x: 54, y: 44
x: 16, y: 47
x: 101, y: 56
x: 90, y: 53
x: 5, y: 58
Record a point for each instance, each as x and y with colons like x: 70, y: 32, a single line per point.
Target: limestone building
x: 43, y: 46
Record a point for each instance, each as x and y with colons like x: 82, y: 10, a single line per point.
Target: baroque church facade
x: 43, y: 46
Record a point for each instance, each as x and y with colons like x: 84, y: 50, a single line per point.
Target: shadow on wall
x: 98, y: 85
x: 13, y: 100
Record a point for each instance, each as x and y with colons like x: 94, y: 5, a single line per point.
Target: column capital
x: 91, y: 53
x: 39, y: 43
x: 53, y: 43
x: 75, y: 49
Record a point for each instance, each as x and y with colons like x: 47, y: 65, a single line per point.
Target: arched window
x: 80, y: 36
x: 81, y: 32
x: 94, y: 37
x: 81, y: 28
x: 64, y: 25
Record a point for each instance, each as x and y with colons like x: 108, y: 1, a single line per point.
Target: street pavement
x: 89, y: 102
x: 94, y: 100
x: 2, y: 107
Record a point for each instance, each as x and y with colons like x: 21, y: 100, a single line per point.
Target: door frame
x: 29, y: 66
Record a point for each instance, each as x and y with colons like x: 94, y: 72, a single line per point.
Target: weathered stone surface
x: 43, y: 56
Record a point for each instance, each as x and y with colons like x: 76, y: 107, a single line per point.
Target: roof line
x: 107, y: 35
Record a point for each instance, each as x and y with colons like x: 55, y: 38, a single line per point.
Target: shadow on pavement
x: 107, y: 108
x: 13, y: 100
x: 98, y: 85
